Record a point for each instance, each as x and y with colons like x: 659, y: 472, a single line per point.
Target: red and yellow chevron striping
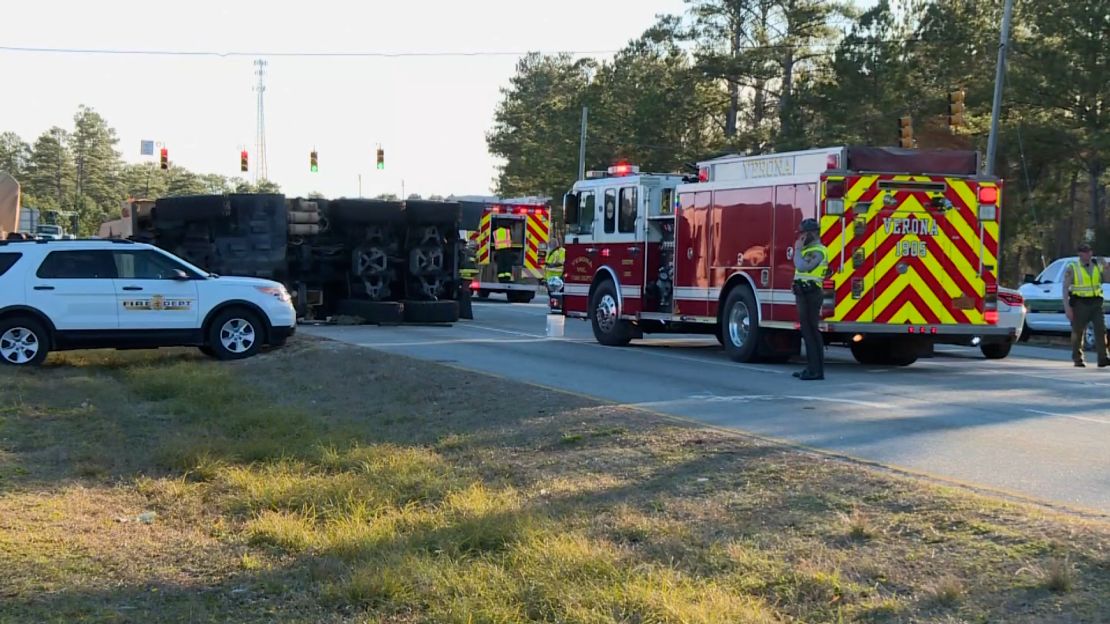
x: 910, y: 249
x: 483, y: 255
x: 535, y: 238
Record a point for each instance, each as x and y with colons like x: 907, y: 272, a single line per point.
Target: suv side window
x: 8, y: 260
x: 77, y: 264
x: 145, y: 265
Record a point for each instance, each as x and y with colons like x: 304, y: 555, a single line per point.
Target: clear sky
x: 429, y: 114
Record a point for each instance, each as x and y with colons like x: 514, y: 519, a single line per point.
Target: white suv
x: 82, y: 294
x: 1044, y: 298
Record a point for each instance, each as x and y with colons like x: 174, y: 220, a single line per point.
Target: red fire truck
x: 912, y: 238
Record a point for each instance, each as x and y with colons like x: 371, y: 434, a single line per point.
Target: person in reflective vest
x: 1083, y: 304
x: 553, y: 265
x: 811, y: 262
x: 502, y: 245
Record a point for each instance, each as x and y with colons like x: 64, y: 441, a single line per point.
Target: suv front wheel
x: 234, y: 334
x: 23, y: 341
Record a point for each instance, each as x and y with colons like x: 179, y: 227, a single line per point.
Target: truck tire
x: 996, y: 350
x: 191, y: 208
x: 740, y: 326
x: 304, y: 217
x: 431, y: 311
x: 868, y: 353
x: 235, y: 334
x: 375, y: 312
x: 608, y: 327
x: 425, y: 212
x: 365, y: 211
x: 23, y: 341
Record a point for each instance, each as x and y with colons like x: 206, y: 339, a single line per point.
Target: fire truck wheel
x: 609, y: 329
x: 740, y: 326
x: 868, y: 353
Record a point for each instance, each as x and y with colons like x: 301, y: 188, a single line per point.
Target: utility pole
x: 1000, y: 75
x: 582, y: 144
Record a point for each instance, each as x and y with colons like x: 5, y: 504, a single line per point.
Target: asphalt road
x: 1029, y: 425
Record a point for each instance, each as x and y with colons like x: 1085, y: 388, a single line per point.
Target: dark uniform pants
x: 808, y: 296
x: 1087, y: 311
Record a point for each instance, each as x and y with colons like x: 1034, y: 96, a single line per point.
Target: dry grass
x: 322, y: 483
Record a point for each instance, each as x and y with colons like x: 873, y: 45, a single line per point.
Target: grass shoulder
x: 323, y: 482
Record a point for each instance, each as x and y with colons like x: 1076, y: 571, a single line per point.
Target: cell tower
x: 260, y: 171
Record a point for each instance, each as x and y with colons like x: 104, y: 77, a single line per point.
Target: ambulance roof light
x: 594, y: 175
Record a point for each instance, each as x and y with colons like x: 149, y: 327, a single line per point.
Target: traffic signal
x: 313, y: 166
x: 165, y: 158
x: 905, y: 131
x: 955, y: 110
x: 243, y: 160
x: 381, y: 158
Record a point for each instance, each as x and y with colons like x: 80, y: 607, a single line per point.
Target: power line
x: 828, y: 45
x: 321, y: 54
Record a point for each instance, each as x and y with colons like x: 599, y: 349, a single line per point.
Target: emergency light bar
x: 522, y: 210
x: 623, y: 169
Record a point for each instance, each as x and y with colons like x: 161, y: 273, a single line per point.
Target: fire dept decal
x: 914, y: 226
x: 157, y: 303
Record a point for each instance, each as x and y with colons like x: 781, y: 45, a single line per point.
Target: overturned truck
x: 382, y: 261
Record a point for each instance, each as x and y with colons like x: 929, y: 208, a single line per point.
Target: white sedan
x: 1011, y: 314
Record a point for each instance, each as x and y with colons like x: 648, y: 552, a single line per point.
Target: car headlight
x: 277, y: 292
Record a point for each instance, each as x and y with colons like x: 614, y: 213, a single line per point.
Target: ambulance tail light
x: 991, y: 317
x: 828, y: 300
x: 703, y: 174
x: 475, y: 285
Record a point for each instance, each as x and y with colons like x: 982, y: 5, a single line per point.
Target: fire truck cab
x: 912, y: 240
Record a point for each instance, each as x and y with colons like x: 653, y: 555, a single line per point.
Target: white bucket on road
x: 555, y: 326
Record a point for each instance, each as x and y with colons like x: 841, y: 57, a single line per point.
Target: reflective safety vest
x: 818, y: 272
x: 1086, y: 284
x: 554, y: 264
x: 502, y: 239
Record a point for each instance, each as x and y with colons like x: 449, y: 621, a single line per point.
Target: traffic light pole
x: 1000, y: 74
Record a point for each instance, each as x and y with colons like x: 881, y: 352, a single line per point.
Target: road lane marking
x: 429, y: 343
x: 1071, y: 416
x: 714, y: 398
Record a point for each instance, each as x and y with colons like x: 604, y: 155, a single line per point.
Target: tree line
x: 759, y: 76
x: 80, y: 174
